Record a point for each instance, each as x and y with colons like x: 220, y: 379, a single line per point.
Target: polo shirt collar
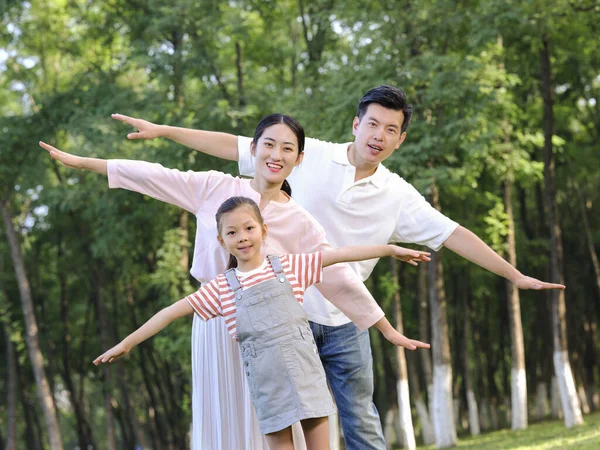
x: 340, y: 156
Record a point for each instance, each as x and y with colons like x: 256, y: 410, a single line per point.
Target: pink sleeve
x: 188, y: 190
x: 206, y: 301
x: 342, y: 286
x: 307, y: 267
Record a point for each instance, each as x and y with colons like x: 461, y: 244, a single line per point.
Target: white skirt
x: 223, y: 417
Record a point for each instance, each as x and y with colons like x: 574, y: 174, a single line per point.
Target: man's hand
x: 409, y: 256
x: 402, y: 341
x: 524, y: 282
x: 146, y: 130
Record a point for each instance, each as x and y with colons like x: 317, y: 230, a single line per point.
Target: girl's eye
x: 230, y: 233
x: 250, y: 228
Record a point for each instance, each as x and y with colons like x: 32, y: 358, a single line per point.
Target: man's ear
x: 355, y: 123
x: 401, y: 140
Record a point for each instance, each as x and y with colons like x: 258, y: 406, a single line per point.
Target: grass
x: 539, y: 436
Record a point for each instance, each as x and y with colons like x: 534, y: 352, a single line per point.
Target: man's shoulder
x: 324, y: 149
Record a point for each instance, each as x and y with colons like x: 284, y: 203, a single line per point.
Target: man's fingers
x: 420, y: 344
x: 120, y: 117
x: 551, y: 286
x: 137, y: 135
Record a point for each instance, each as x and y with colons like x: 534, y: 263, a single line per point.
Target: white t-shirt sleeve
x: 245, y: 158
x: 184, y: 189
x: 420, y: 223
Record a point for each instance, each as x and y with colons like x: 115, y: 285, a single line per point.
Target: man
x: 359, y: 202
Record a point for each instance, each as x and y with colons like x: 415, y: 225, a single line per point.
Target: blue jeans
x: 346, y: 355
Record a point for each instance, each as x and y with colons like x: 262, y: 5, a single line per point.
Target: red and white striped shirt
x: 216, y: 298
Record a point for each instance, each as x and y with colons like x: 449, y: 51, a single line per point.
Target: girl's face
x: 276, y: 154
x: 241, y: 234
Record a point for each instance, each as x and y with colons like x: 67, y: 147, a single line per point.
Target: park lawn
x: 542, y: 435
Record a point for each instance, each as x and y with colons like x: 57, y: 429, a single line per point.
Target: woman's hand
x: 68, y: 160
x: 76, y: 162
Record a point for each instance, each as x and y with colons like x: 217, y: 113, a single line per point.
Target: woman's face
x: 276, y: 154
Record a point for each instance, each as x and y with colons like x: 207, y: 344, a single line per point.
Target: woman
x: 223, y: 417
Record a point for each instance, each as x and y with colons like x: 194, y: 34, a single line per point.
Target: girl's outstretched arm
x: 221, y: 145
x: 392, y: 335
x: 361, y: 253
x: 76, y: 162
x: 159, y: 321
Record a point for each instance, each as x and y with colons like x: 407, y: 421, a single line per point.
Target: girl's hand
x: 409, y: 256
x: 68, y: 160
x: 146, y: 130
x: 118, y: 351
x: 524, y: 282
x: 402, y: 341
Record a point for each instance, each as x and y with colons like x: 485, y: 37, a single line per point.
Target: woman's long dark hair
x: 292, y: 124
x: 231, y: 204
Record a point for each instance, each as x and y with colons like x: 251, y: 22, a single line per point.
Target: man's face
x: 377, y: 134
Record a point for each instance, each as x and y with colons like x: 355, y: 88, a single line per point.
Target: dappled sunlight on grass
x: 548, y: 435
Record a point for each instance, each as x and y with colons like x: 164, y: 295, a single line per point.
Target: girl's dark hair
x: 389, y: 97
x: 292, y: 124
x: 231, y: 204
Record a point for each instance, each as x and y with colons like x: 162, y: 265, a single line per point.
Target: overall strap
x: 276, y: 264
x: 232, y: 280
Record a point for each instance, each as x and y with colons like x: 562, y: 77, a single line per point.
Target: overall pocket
x: 264, y: 312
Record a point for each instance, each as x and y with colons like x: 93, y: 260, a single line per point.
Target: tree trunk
x: 11, y: 393
x: 562, y: 367
x: 240, y: 75
x: 442, y: 411
x: 83, y: 429
x: 471, y: 401
x: 588, y: 236
x: 424, y: 335
x: 404, y: 414
x: 417, y: 395
x: 31, y: 327
x: 105, y: 340
x: 542, y: 401
x: 518, y: 380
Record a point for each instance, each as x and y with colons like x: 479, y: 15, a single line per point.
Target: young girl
x: 260, y: 301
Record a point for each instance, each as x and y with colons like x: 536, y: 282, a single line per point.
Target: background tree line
x: 503, y: 140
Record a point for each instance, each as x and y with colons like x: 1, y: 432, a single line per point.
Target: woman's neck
x: 268, y: 191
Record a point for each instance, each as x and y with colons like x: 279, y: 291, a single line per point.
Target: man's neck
x: 363, y: 169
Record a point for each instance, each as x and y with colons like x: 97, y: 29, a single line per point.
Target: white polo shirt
x: 376, y: 210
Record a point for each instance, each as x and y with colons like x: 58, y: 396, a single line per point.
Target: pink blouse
x: 291, y: 229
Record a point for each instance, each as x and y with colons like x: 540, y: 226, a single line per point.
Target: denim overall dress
x: 285, y: 375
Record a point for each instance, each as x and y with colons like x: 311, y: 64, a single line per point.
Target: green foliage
x: 471, y: 70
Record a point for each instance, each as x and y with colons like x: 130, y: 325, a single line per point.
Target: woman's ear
x: 252, y: 148
x: 299, y: 159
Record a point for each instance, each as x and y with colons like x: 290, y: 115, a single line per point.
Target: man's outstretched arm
x: 221, y: 145
x: 466, y: 244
